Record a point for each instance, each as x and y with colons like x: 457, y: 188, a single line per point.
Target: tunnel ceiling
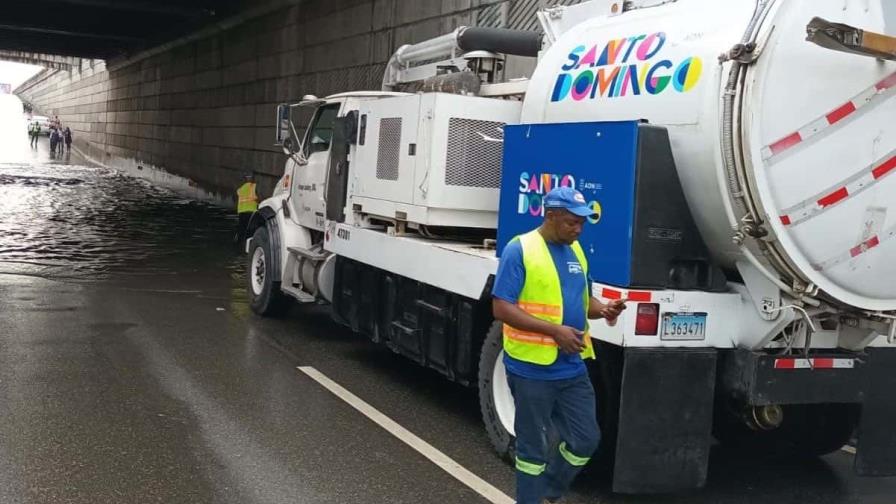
x: 104, y: 28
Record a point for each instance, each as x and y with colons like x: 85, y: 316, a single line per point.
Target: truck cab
x: 316, y: 134
x: 319, y: 149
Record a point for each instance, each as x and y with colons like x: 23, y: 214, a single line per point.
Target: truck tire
x: 495, y: 400
x: 265, y: 296
x: 808, y: 430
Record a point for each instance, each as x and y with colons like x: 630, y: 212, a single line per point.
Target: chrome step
x: 299, y: 294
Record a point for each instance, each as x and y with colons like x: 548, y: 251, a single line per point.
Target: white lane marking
x: 849, y: 449
x: 438, y: 458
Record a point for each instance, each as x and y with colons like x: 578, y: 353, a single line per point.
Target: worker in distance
x: 542, y: 294
x: 246, y: 205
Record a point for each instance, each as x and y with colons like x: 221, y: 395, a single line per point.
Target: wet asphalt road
x: 131, y: 370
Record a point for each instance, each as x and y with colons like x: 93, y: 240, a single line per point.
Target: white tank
x: 814, y: 129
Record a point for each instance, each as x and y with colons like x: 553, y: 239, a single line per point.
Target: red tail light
x: 648, y: 319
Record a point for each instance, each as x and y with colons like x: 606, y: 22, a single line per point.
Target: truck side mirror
x: 282, y: 137
x: 287, y: 145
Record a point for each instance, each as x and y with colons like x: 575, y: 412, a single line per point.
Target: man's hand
x: 613, y: 309
x: 568, y: 339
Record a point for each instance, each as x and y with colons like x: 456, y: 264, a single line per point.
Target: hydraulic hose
x: 500, y: 40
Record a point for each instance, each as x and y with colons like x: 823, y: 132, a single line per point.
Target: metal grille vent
x: 389, y: 148
x: 474, y: 153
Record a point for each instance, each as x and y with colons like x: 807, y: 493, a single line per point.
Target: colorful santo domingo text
x: 533, y: 187
x: 624, y: 67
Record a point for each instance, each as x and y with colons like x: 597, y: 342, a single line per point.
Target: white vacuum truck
x: 742, y: 157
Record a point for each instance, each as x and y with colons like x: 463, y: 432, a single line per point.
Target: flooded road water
x: 61, y: 217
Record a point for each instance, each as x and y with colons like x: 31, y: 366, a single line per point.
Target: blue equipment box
x: 598, y: 159
x: 645, y: 236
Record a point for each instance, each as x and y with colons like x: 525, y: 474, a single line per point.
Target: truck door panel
x: 308, y: 189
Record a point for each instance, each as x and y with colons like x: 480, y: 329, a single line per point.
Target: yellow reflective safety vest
x: 247, y: 200
x: 542, y: 297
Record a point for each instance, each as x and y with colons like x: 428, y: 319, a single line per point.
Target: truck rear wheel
x: 495, y: 400
x: 807, y: 430
x: 265, y: 296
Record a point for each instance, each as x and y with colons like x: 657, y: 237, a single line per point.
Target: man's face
x: 566, y: 226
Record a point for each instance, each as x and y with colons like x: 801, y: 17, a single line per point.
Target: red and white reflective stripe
x: 820, y: 124
x: 858, y: 182
x: 637, y: 296
x: 815, y: 363
x: 857, y: 250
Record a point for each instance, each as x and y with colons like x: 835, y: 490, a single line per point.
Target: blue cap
x: 568, y: 199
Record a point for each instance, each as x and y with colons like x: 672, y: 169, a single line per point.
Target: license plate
x: 684, y: 326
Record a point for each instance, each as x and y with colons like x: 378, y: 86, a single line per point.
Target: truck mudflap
x: 665, y: 420
x: 876, y: 450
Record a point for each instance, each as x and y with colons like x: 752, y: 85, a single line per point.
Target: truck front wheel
x: 495, y: 400
x: 265, y: 296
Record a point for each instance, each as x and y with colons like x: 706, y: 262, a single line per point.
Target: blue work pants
x: 569, y: 405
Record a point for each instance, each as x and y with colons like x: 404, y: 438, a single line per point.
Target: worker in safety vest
x: 35, y: 132
x: 247, y: 204
x: 542, y: 294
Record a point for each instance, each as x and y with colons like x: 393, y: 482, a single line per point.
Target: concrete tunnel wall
x: 203, y: 110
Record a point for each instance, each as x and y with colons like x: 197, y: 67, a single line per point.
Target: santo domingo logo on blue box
x: 534, y: 186
x: 624, y: 67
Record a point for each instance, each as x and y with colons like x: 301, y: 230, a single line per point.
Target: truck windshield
x: 321, y: 131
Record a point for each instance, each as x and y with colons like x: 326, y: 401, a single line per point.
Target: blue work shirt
x: 508, y: 285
